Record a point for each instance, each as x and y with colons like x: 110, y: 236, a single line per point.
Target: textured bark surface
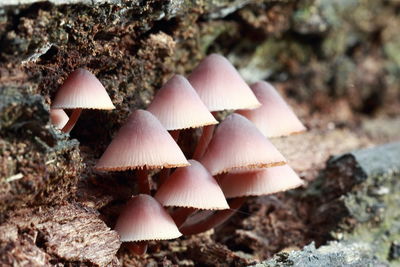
x: 63, y: 234
x: 359, y: 208
x: 336, y: 61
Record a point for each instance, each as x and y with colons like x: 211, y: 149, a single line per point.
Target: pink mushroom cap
x: 237, y: 143
x: 275, y: 117
x: 177, y: 106
x: 82, y: 90
x: 194, y: 187
x: 259, y: 182
x: 220, y: 86
x: 58, y: 117
x: 143, y: 218
x: 142, y: 142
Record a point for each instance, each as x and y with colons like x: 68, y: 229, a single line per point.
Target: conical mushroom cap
x: 177, y: 106
x: 142, y: 142
x: 274, y: 118
x: 259, y: 182
x: 58, y: 117
x: 237, y: 143
x: 143, y: 218
x: 194, y: 187
x: 82, y: 90
x: 220, y: 86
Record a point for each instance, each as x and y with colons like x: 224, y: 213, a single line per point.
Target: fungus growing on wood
x: 58, y: 117
x: 274, y: 118
x: 237, y: 143
x: 177, y: 106
x: 191, y: 187
x: 220, y: 87
x: 239, y: 185
x: 144, y: 219
x: 142, y: 143
x: 81, y: 90
x: 259, y: 182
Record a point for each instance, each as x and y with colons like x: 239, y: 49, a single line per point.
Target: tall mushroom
x: 142, y: 143
x: 81, y: 90
x: 274, y: 118
x: 220, y: 87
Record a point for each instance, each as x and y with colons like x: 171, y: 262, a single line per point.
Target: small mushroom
x: 81, y: 90
x: 144, y: 219
x: 259, y: 182
x: 142, y: 143
x: 237, y: 143
x: 177, y: 106
x: 240, y: 184
x: 274, y: 118
x: 220, y: 86
x: 191, y: 187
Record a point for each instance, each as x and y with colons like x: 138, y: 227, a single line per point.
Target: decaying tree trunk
x: 359, y: 209
x: 357, y: 205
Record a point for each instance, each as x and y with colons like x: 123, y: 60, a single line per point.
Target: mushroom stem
x: 175, y: 134
x: 164, y: 174
x: 213, y: 220
x: 204, y: 140
x: 143, y: 182
x: 138, y: 248
x: 180, y: 215
x: 72, y: 120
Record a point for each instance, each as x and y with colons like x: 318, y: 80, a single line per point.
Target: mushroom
x: 81, y: 90
x: 239, y: 185
x: 191, y: 187
x: 142, y: 143
x: 220, y: 87
x: 274, y: 118
x: 177, y: 106
x: 144, y: 219
x: 237, y: 143
x: 58, y: 117
x: 259, y: 182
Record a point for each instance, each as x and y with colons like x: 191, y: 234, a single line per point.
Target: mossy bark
x: 357, y: 199
x: 324, y: 54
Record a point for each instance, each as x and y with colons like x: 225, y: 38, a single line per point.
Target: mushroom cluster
x: 230, y: 163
